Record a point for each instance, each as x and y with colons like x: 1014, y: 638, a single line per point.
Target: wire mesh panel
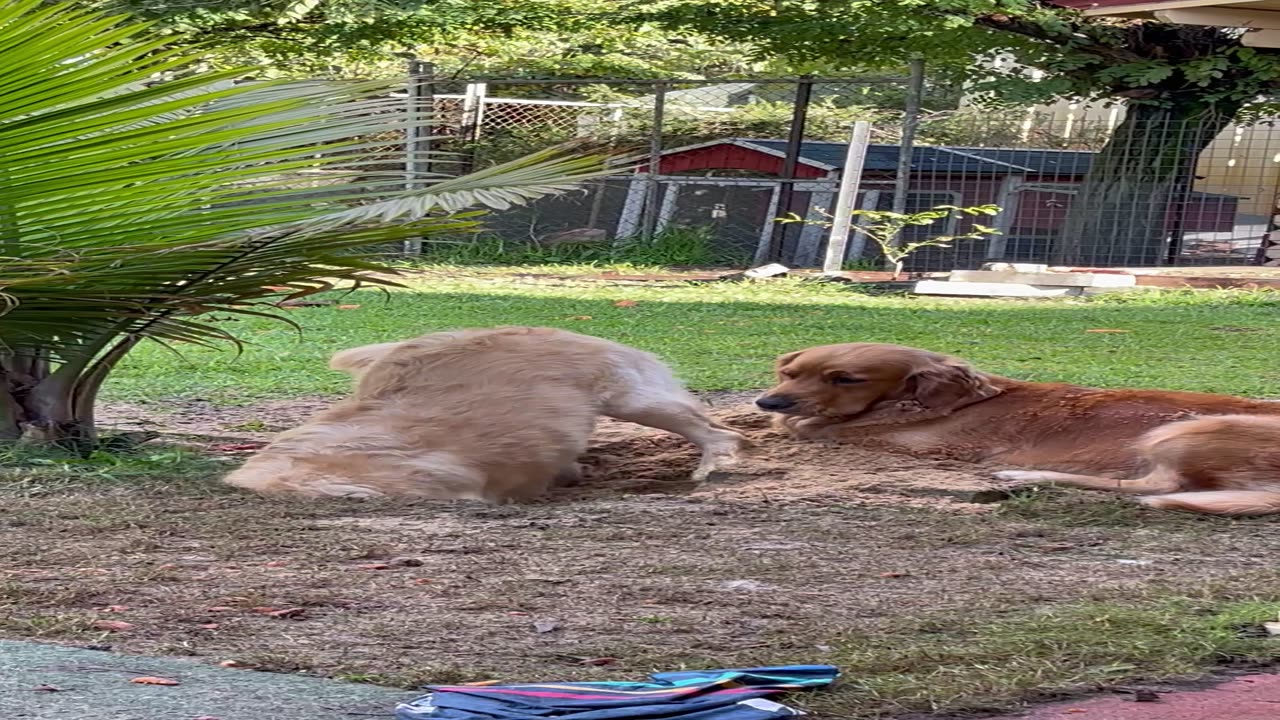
x: 725, y: 161
x: 1112, y: 189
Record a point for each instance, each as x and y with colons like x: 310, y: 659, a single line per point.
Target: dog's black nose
x: 774, y: 403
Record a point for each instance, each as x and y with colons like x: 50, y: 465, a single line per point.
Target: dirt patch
x: 628, y: 459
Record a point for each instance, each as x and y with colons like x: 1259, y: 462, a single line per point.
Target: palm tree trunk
x: 11, y: 415
x: 44, y: 405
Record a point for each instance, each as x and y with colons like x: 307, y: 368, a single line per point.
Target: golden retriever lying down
x: 485, y: 414
x: 1202, y: 453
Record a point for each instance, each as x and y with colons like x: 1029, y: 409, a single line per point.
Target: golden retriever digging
x: 487, y: 414
x: 932, y: 404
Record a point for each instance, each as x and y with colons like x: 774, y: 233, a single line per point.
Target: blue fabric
x: 738, y: 694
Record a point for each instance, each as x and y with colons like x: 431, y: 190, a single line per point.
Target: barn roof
x: 1040, y: 162
x: 948, y: 160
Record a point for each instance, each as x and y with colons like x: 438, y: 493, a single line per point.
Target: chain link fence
x: 714, y: 165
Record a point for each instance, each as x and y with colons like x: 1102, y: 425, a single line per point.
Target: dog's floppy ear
x: 945, y: 385
x: 356, y: 360
x: 783, y: 360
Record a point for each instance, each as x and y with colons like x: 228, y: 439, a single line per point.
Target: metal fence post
x: 420, y: 91
x: 795, y: 140
x: 850, y: 179
x: 1269, y: 248
x: 910, y: 120
x: 472, y: 121
x: 649, y: 217
x: 473, y: 110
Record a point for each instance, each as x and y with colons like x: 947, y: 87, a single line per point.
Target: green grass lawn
x: 724, y: 336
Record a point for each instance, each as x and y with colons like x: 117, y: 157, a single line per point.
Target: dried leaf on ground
x: 153, y: 680
x: 295, y: 613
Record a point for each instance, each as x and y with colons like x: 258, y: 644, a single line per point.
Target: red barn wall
x: 730, y: 157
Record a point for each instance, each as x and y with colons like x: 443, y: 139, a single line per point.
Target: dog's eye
x: 845, y: 380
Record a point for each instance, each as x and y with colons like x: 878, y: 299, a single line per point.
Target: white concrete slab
x: 1064, y: 279
x: 975, y: 289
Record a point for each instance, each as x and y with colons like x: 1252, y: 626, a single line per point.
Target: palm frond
x: 130, y: 206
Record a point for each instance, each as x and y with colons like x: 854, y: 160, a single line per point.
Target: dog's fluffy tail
x: 1219, y: 502
x: 356, y: 360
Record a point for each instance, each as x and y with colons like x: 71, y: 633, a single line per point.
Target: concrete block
x: 1044, y: 278
x: 1014, y: 267
x: 767, y: 271
x: 977, y: 289
x: 773, y: 270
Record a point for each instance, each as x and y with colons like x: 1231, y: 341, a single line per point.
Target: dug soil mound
x: 630, y: 459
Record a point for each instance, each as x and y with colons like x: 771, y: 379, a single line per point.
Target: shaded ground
x: 46, y: 682
x: 814, y: 555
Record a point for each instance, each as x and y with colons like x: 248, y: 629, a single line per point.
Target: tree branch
x: 1035, y: 31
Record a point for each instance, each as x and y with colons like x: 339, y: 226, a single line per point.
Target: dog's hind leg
x: 1240, y: 503
x: 1161, y: 480
x: 653, y: 397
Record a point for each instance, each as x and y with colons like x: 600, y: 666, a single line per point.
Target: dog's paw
x: 717, y: 466
x: 1022, y: 475
x: 738, y: 444
x: 571, y: 475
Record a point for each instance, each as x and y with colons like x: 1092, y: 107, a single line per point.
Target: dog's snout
x: 774, y: 403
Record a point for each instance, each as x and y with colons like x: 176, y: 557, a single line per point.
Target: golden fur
x: 487, y: 414
x: 1203, y: 453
